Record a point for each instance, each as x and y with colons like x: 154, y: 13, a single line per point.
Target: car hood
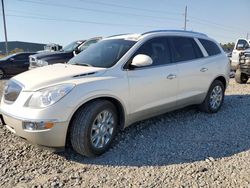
x: 51, y: 54
x: 55, y: 74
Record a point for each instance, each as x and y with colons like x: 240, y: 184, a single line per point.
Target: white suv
x: 120, y: 80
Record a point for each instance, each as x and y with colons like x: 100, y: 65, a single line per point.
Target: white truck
x: 51, y: 47
x: 240, y: 46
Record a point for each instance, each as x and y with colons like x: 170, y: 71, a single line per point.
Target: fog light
x: 37, y: 125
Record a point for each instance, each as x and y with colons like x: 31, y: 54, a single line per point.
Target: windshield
x: 70, y: 47
x: 242, y: 44
x: 7, y: 57
x: 103, y: 54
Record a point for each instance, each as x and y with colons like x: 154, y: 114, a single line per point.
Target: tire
x: 240, y: 77
x: 207, y: 105
x: 1, y: 74
x: 85, y: 126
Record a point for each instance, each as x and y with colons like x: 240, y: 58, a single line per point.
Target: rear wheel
x: 93, y: 128
x: 240, y: 77
x: 214, y: 98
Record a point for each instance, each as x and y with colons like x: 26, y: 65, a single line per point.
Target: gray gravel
x: 185, y: 148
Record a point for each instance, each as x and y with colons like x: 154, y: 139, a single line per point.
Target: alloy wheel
x: 102, y: 129
x: 216, y: 97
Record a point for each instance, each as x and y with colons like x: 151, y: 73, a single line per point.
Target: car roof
x: 175, y: 31
x: 142, y: 35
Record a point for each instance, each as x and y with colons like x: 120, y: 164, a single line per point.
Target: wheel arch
x: 118, y: 104
x: 222, y: 79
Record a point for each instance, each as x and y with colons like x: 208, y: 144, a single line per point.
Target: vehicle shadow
x: 183, y: 136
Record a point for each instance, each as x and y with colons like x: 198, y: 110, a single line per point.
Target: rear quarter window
x: 210, y: 47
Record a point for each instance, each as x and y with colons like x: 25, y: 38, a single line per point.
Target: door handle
x: 203, y: 69
x: 171, y: 76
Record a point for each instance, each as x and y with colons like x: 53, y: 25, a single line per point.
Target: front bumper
x: 245, y: 70
x: 54, y: 137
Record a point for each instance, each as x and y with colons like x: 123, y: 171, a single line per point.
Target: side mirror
x: 141, y: 60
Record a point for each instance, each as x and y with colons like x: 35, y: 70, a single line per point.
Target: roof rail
x: 180, y: 31
x: 118, y: 35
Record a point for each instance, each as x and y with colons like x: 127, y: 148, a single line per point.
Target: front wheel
x: 214, y: 98
x: 93, y: 128
x: 240, y: 77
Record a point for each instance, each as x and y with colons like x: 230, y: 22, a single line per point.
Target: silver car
x: 120, y: 80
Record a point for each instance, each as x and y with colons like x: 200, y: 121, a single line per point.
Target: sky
x: 64, y: 21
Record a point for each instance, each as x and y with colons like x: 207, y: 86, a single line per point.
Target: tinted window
x: 22, y: 57
x: 184, y: 49
x: 210, y: 47
x: 157, y: 49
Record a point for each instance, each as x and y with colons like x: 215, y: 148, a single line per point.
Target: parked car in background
x: 51, y: 47
x: 112, y: 84
x: 63, y: 56
x: 240, y: 46
x: 243, y: 71
x: 14, y: 64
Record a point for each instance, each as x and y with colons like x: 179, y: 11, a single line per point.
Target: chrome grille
x: 12, y: 91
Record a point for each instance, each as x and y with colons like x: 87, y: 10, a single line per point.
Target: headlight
x: 42, y: 63
x: 32, y: 126
x: 50, y: 95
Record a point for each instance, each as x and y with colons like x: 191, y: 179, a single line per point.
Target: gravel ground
x: 185, y: 148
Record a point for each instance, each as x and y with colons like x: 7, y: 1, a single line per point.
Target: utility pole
x: 5, y: 30
x: 185, y: 21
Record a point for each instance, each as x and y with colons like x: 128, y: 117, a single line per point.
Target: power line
x: 78, y: 21
x: 88, y: 22
x: 101, y: 11
x: 156, y: 11
x: 194, y: 19
x: 226, y: 27
x: 25, y: 12
x: 214, y: 25
x: 117, y: 13
x: 31, y: 16
x: 129, y: 7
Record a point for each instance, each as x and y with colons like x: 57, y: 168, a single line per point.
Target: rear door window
x: 184, y: 49
x: 210, y: 47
